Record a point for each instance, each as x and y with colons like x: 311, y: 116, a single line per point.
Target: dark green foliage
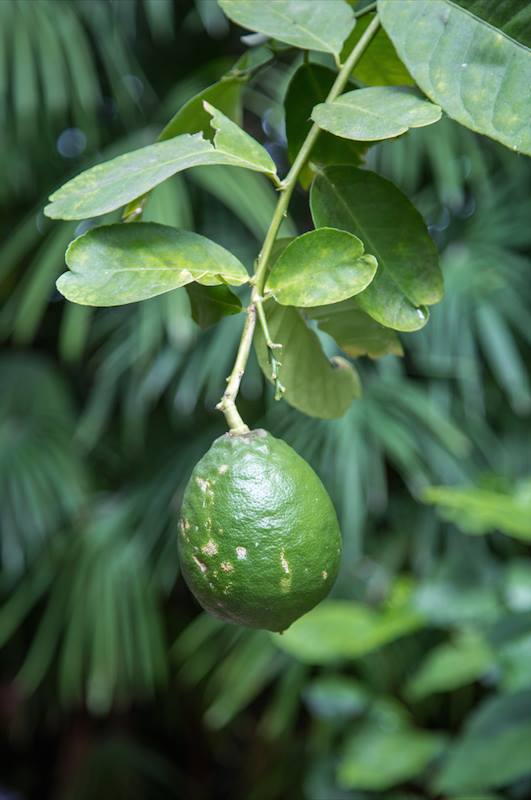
x: 112, y: 684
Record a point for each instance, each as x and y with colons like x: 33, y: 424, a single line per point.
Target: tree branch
x: 228, y: 401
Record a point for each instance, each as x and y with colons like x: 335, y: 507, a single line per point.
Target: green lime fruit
x: 259, y: 540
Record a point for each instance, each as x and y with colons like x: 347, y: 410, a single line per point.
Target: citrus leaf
x: 209, y: 304
x: 450, y: 666
x: 379, y: 112
x: 252, y: 60
x: 310, y: 24
x: 501, y: 725
x: 354, y: 331
x: 479, y: 74
x: 336, y: 696
x: 478, y: 511
x: 243, y: 150
x: 314, y: 384
x: 379, y: 64
x: 111, y: 185
x: 279, y: 245
x: 339, y: 629
x: 376, y: 759
x: 513, y: 18
x: 124, y: 263
x: 193, y: 117
x: 392, y: 230
x: 320, y: 267
x: 309, y: 86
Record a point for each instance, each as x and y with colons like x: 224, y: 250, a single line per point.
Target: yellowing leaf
x: 322, y: 266
x: 124, y: 263
x: 478, y: 74
x: 379, y: 112
x: 110, y: 185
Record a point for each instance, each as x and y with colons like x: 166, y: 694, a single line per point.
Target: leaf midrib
x: 488, y: 25
x: 295, y: 280
x: 160, y: 164
x: 58, y: 197
x: 175, y: 270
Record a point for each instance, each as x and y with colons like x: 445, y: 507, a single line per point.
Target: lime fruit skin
x: 259, y: 540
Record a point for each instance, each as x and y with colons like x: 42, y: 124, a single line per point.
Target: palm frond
x: 485, y: 309
x: 101, y: 620
x: 90, y: 63
x: 42, y: 478
x: 235, y: 666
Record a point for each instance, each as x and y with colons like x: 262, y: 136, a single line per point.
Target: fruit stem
x: 227, y: 403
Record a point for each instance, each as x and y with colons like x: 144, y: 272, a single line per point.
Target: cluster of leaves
x: 411, y: 678
x: 354, y: 211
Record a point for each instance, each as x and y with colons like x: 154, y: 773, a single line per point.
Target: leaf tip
x: 60, y: 282
x: 49, y: 210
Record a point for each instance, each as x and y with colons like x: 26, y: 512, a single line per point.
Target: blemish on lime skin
x: 210, y: 548
x: 202, y: 567
x: 254, y: 575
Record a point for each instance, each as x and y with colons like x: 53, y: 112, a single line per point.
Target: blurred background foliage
x: 414, y: 679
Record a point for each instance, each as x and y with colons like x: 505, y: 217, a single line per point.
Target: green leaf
x: 379, y: 64
x: 310, y: 24
x: 124, y: 263
x: 111, y: 185
x: 243, y: 150
x: 479, y: 511
x: 511, y: 17
x: 209, y: 304
x: 451, y: 665
x: 193, y: 117
x: 478, y: 74
x: 309, y: 86
x: 253, y: 660
x: 495, y: 748
x: 314, y: 384
x: 375, y: 758
x: 339, y: 629
x: 252, y: 60
x: 513, y: 663
x: 320, y: 267
x: 392, y: 230
x: 518, y: 585
x: 380, y: 112
x: 335, y: 697
x: 354, y: 331
x: 279, y: 246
